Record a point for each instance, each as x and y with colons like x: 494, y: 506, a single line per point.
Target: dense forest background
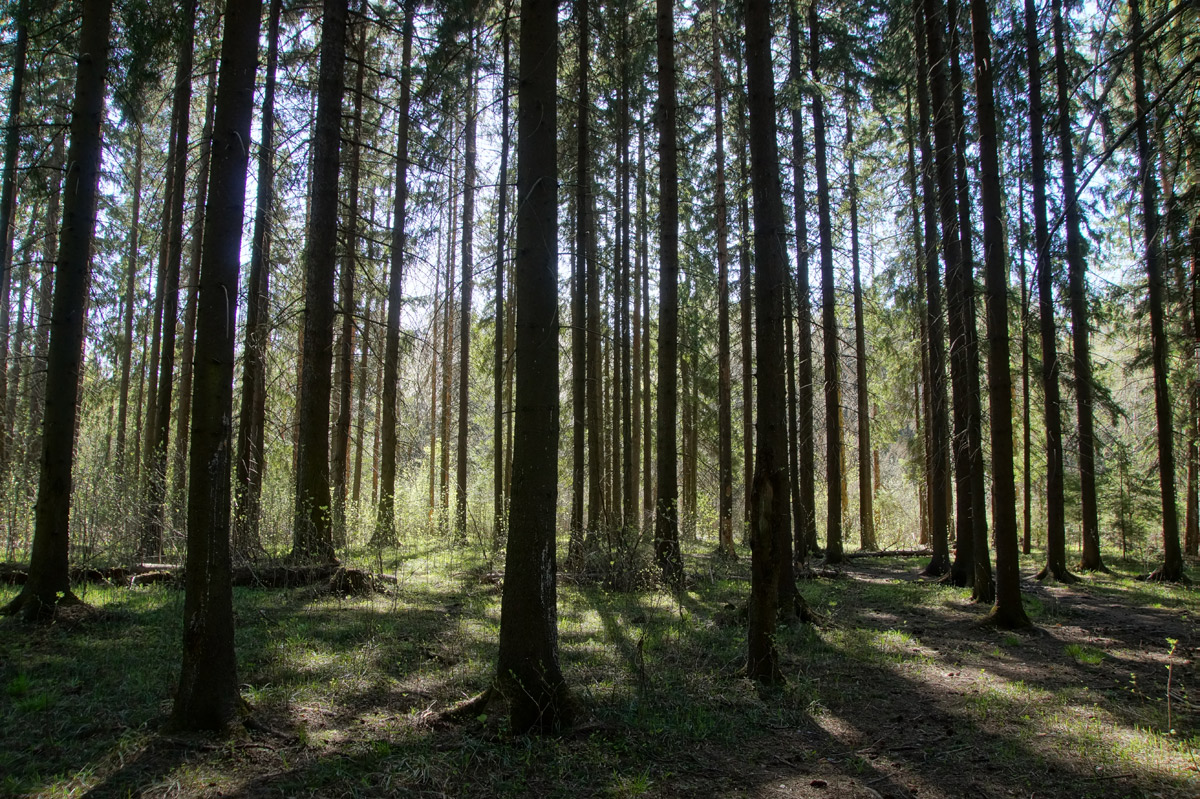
x: 324, y: 284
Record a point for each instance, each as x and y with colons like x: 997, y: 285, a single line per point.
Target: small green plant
x: 1085, y: 654
x: 19, y: 685
x: 1171, y: 644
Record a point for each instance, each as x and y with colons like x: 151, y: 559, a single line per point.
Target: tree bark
x: 806, y: 521
x: 312, y: 535
x: 498, y: 508
x: 1171, y: 569
x: 131, y: 271
x: 385, y: 524
x: 528, y: 671
x: 1077, y: 289
x: 771, y: 579
x: 866, y: 505
x: 468, y: 256
x: 1008, y: 611
x: 1056, y: 564
x: 251, y: 459
x: 208, y: 696
x: 48, y: 584
x: 159, y: 427
x: 666, y: 526
x: 829, y: 325
x: 938, y: 412
x: 8, y: 191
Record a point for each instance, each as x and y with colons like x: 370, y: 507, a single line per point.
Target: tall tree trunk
x: 866, y: 505
x: 588, y: 267
x: 1056, y: 565
x: 41, y: 346
x: 829, y: 325
x: 153, y: 522
x: 183, y: 410
x: 1077, y: 289
x: 528, y: 672
x: 1008, y: 611
x: 464, y: 334
x: 348, y: 301
x: 448, y: 347
x: 1192, y: 521
x: 971, y: 565
x: 48, y: 584
x: 921, y: 412
x: 498, y: 509
x: 251, y: 459
x: 385, y: 519
x: 208, y: 697
x: 771, y: 579
x: 938, y: 412
x: 312, y: 535
x: 1027, y: 439
x: 648, y: 485
x: 8, y: 192
x: 131, y: 271
x: 806, y: 521
x: 666, y: 526
x: 628, y: 456
x: 724, y: 373
x: 745, y: 306
x: 1171, y: 569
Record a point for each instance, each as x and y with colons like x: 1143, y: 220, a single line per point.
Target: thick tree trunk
x: 312, y: 539
x: 48, y: 584
x: 771, y: 534
x: 208, y: 697
x: 921, y: 414
x: 528, y: 671
x: 1026, y: 437
x: 666, y: 525
x: 251, y: 459
x: 829, y: 325
x: 1008, y: 611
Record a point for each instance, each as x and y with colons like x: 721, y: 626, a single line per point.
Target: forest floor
x: 900, y: 692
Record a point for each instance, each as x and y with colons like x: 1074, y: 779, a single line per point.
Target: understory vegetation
x: 898, y: 691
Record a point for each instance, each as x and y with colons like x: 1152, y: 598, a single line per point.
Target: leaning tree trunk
x: 208, y: 697
x: 312, y: 536
x: 48, y: 584
x: 528, y: 671
x: 666, y: 526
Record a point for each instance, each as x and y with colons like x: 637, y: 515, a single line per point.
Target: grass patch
x: 901, y: 672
